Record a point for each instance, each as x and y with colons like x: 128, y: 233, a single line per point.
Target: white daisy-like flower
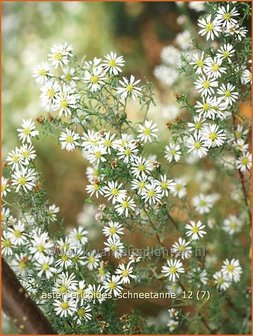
x: 124, y: 204
x: 209, y: 27
x: 4, y: 186
x: 141, y: 167
x: 147, y: 131
x: 49, y: 93
x: 179, y: 189
x: 83, y: 314
x: 24, y: 179
x: 246, y: 76
x: 95, y: 188
x: 92, y: 260
x: 27, y: 131
x: 69, y: 140
x: 114, y: 245
x: 17, y: 234
x: 213, y: 136
x: 81, y: 292
x: 78, y: 237
x: 225, y: 15
x: 196, y: 146
x: 114, y: 229
x: 221, y: 281
x: 113, y: 285
x: 226, y: 52
x: 165, y: 185
x: 244, y: 162
x: 197, y: 125
x: 232, y: 224
x: 6, y: 217
x: 198, y: 62
x: 240, y: 145
x: 69, y: 76
x: 195, y: 230
x: 41, y: 72
x: 20, y: 264
x: 96, y: 154
x: 128, y: 153
x: 172, y: 269
x: 125, y: 272
x: 107, y: 141
x: 113, y: 63
x: 152, y: 193
x: 181, y: 249
x: 140, y: 184
x: 13, y: 158
x: 60, y: 54
x: 40, y: 244
x: 27, y: 153
x: 173, y: 152
x: 44, y: 265
x: 95, y: 293
x: 129, y: 88
x: 102, y: 272
x: 205, y: 85
x: 6, y: 244
x: 232, y: 270
x: 66, y: 306
x: 95, y: 78
x: 228, y: 93
x: 113, y: 190
x: 213, y: 68
x: 51, y: 212
x: 65, y: 283
x: 64, y: 259
x: 65, y: 101
x: 203, y: 203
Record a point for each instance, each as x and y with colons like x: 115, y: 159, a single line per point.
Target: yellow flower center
x: 42, y: 72
x: 151, y: 193
x: 94, y: 79
x: 200, y: 63
x: 173, y: 269
x: 40, y: 248
x: 69, y: 139
x: 125, y: 204
x: 17, y: 233
x: 64, y: 305
x: 125, y: 273
x: 227, y: 16
x: 129, y: 87
x: 112, y: 63
x: 45, y: 267
x: 197, y: 145
x: 215, y: 67
x: 112, y: 230
x: 213, y: 136
x: 112, y: 285
x: 230, y: 268
x: 195, y: 229
x: 58, y: 56
x: 209, y: 27
x: 51, y: 93
x: 64, y: 103
x: 227, y: 94
x: 206, y: 84
x: 63, y: 289
x: 114, y: 191
x: 147, y: 131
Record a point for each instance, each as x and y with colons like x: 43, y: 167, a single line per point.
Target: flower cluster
x: 136, y: 191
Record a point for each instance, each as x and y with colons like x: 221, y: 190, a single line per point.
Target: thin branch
x: 18, y: 305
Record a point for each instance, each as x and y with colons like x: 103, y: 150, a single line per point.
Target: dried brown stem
x: 18, y: 305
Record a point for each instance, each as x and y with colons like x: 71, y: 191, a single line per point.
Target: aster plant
x: 77, y: 286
